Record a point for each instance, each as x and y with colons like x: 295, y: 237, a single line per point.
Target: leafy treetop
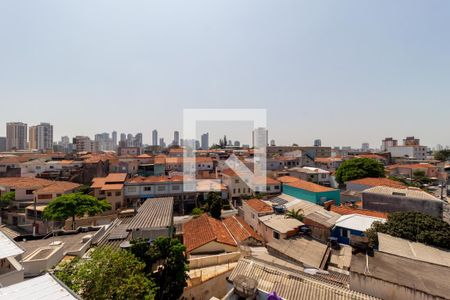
x: 74, y: 205
x: 357, y: 168
x: 108, y: 274
x: 413, y: 226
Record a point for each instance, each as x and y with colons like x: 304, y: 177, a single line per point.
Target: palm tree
x: 295, y: 214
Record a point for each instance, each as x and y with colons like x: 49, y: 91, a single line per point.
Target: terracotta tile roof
x: 326, y: 160
x: 155, y: 179
x: 346, y: 210
x: 112, y: 187
x: 370, y: 181
x: 12, y: 159
x: 309, y: 186
x: 180, y: 160
x: 116, y: 177
x: 204, y: 229
x: 58, y: 187
x: 176, y: 150
x: 144, y: 156
x: 412, y: 166
x: 240, y: 230
x: 160, y: 159
x: 259, y: 206
x: 287, y: 179
x: 25, y: 182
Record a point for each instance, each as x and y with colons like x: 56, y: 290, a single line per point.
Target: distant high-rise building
x: 197, y: 144
x: 237, y: 143
x: 114, y: 138
x: 85, y: 144
x: 123, y: 137
x: 2, y: 144
x: 41, y: 137
x: 162, y: 144
x: 387, y: 143
x: 16, y: 136
x: 365, y: 147
x: 155, y: 137
x: 260, y: 137
x: 411, y: 141
x: 205, y: 141
x: 32, y: 137
x: 272, y: 143
x: 138, y: 140
x: 318, y: 143
x: 176, y: 138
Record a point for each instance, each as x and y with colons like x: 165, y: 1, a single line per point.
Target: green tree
x: 6, y: 199
x: 442, y: 155
x: 165, y: 259
x: 197, y: 211
x: 108, y: 274
x: 413, y: 226
x: 357, y: 168
x: 295, y: 214
x: 74, y: 205
x: 215, y: 201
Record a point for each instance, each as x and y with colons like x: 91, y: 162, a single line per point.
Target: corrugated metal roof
x: 412, y: 193
x: 290, y: 285
x: 44, y: 287
x: 153, y: 213
x: 357, y: 222
x: 8, y: 247
x: 413, y: 250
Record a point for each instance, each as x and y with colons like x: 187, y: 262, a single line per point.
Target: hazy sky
x: 344, y: 71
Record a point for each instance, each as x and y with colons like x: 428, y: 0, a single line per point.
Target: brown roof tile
x: 205, y: 229
x: 309, y: 186
x: 259, y: 206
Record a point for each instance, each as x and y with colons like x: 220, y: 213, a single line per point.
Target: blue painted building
x: 312, y: 192
x: 350, y: 229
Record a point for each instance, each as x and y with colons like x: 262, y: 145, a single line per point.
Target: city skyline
x: 317, y: 74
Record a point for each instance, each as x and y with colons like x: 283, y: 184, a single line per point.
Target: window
x: 345, y: 233
x: 236, y: 181
x: 29, y: 192
x: 102, y: 192
x: 253, y: 216
x: 324, y: 175
x: 118, y: 193
x: 175, y: 187
x: 277, y: 187
x: 161, y: 188
x: 109, y: 194
x: 132, y: 189
x: 234, y: 191
x: 147, y: 188
x: 276, y: 235
x: 239, y: 191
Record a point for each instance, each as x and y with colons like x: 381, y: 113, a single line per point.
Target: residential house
x: 238, y: 187
x: 409, y: 170
x: 11, y: 271
x: 242, y: 232
x: 319, y: 220
x: 312, y: 192
x: 350, y: 229
x: 252, y: 209
x: 276, y: 226
x: 359, y: 185
x: 387, y: 199
x: 110, y: 188
x: 311, y: 174
x: 206, y: 235
x: 328, y: 163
